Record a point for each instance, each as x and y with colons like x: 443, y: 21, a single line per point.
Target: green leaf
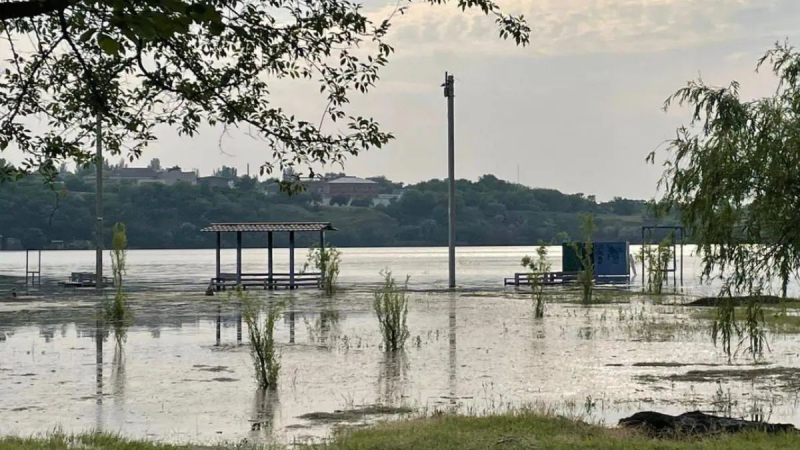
x: 86, y: 35
x: 108, y: 44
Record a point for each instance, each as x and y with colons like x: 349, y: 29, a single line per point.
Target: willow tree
x: 136, y: 65
x: 734, y: 177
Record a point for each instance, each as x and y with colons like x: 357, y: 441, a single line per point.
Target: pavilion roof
x: 260, y: 227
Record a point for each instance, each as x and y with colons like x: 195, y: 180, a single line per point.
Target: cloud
x: 562, y: 27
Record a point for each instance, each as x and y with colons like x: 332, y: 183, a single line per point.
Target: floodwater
x: 179, y: 374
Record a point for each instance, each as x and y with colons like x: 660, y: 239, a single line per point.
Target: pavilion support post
x: 291, y: 260
x: 674, y: 262
x: 321, y: 249
x: 643, y: 250
x: 238, y: 259
x: 219, y: 260
x: 269, y: 260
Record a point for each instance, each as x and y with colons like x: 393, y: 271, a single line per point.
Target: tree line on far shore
x: 490, y: 212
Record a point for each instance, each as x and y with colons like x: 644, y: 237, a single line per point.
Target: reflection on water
x: 323, y: 327
x: 472, y: 351
x: 392, y: 378
x: 265, y: 404
x: 453, y: 353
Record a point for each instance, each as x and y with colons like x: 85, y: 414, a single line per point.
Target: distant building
x: 215, y: 181
x: 175, y: 174
x: 352, y: 187
x: 387, y: 199
x: 144, y: 175
x: 133, y: 174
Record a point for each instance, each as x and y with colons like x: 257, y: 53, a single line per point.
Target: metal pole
x: 99, y: 205
x: 27, y: 268
x: 39, y: 268
x: 449, y: 92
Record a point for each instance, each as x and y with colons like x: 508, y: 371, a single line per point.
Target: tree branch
x: 33, y: 8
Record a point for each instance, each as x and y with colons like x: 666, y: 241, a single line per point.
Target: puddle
x: 204, y: 368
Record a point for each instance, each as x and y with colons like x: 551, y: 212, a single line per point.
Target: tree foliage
x: 136, y: 65
x: 734, y: 177
x: 490, y: 212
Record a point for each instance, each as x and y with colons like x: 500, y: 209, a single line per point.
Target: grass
x: 89, y: 441
x: 532, y: 431
x: 511, y: 431
x: 773, y: 319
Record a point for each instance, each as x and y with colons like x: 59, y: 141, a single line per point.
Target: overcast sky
x: 577, y: 110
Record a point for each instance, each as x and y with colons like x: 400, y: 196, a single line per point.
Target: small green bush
x: 262, y: 339
x: 391, y: 308
x: 326, y: 261
x: 537, y: 267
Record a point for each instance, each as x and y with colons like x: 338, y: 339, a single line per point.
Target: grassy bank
x: 773, y: 319
x: 528, y: 431
x: 509, y: 431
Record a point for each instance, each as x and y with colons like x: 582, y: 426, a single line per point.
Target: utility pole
x: 449, y: 92
x: 99, y: 205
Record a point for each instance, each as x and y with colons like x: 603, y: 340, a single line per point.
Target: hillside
x: 490, y: 212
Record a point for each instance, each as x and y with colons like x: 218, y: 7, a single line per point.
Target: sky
x: 577, y: 110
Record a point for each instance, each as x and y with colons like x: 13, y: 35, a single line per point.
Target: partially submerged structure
x: 611, y: 264
x: 269, y: 279
x: 671, y: 236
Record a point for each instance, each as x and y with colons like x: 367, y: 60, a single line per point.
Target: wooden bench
x: 560, y: 278
x: 263, y: 280
x: 85, y: 279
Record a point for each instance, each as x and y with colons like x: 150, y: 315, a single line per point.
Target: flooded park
x: 181, y: 370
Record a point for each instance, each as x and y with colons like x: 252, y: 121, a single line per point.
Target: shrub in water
x: 391, y: 307
x: 537, y: 267
x: 586, y: 274
x: 657, y: 263
x: 262, y: 340
x: 326, y: 261
x: 117, y: 312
